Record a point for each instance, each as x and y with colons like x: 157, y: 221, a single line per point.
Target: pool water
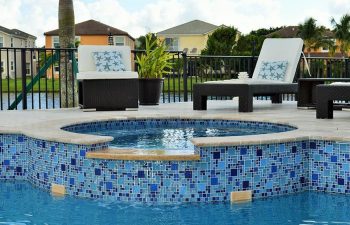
x: 177, y: 135
x: 21, y: 203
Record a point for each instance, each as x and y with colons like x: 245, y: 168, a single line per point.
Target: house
x: 292, y: 32
x: 10, y: 65
x: 190, y: 37
x: 92, y: 32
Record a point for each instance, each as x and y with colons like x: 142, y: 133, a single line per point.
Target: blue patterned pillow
x: 273, y: 70
x: 107, y: 61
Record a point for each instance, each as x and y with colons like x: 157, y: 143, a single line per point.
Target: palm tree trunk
x: 66, y: 23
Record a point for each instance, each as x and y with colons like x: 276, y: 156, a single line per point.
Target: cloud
x: 39, y: 16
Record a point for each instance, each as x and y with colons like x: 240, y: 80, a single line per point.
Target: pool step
x: 139, y: 154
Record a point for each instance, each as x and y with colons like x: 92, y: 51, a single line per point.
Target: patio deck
x: 46, y: 124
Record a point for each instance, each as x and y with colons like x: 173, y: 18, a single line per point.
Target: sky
x: 137, y: 17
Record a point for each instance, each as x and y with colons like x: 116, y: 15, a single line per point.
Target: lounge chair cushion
x: 106, y: 61
x: 273, y: 70
x: 341, y: 83
x: 93, y: 75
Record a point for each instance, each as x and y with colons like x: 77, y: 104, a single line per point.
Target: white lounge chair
x: 275, y: 51
x: 112, y: 90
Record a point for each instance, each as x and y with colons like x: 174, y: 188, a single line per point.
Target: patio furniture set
x: 273, y: 76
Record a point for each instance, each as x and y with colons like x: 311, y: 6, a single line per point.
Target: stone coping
x: 47, y: 124
x: 52, y: 131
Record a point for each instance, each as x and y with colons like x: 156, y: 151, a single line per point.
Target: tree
x: 141, y: 41
x: 313, y: 35
x: 251, y: 43
x: 66, y: 25
x: 221, y: 41
x: 342, y: 33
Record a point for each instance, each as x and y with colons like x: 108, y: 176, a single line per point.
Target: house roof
x: 16, y: 32
x: 93, y: 27
x: 192, y: 27
x: 292, y: 32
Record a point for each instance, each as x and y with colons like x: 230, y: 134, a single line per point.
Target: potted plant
x: 151, y: 66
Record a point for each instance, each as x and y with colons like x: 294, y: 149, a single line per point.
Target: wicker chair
x: 106, y: 90
x: 326, y: 94
x: 286, y: 49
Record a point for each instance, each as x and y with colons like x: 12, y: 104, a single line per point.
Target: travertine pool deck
x: 46, y: 124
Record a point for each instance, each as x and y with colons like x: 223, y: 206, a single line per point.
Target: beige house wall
x: 190, y: 41
x: 14, y: 56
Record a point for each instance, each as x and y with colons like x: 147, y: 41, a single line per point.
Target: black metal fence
x: 32, y: 78
x: 191, y: 69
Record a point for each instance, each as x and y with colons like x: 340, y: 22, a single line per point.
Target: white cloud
x: 39, y: 16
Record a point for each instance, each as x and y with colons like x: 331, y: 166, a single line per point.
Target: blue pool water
x: 173, y: 134
x: 21, y: 203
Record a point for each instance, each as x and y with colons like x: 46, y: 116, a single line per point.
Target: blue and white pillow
x: 273, y: 70
x: 107, y: 61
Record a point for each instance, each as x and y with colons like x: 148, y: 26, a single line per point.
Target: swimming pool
x: 265, y: 165
x: 172, y: 134
x: 22, y: 204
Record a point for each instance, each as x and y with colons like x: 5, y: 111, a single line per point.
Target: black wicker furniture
x: 307, y: 89
x: 326, y: 94
x: 245, y: 93
x: 286, y: 50
x: 116, y: 90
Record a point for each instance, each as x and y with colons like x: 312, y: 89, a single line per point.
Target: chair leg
x: 245, y: 103
x: 324, y: 109
x: 199, y: 102
x: 276, y: 98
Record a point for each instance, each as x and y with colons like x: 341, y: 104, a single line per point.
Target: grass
x: 170, y: 84
x: 11, y: 84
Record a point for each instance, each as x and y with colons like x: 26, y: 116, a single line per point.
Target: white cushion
x: 93, y: 75
x: 341, y: 83
x: 86, y: 60
x: 281, y: 49
x: 247, y: 81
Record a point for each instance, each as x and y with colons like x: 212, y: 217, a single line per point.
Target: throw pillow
x: 107, y: 61
x: 273, y: 70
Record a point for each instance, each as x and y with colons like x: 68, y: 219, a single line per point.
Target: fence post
x: 184, y: 56
x: 329, y: 71
x: 347, y: 67
x: 135, y: 63
x: 24, y: 78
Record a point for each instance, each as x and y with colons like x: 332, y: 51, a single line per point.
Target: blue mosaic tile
x: 267, y: 170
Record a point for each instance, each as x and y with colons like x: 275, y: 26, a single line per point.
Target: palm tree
x: 66, y: 24
x: 312, y: 35
x: 342, y: 33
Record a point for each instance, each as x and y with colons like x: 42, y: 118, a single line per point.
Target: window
x: 1, y: 42
x: 11, y: 67
x: 1, y: 67
x: 119, y: 40
x: 326, y: 48
x: 27, y: 68
x: 11, y: 42
x: 55, y: 42
x: 172, y: 43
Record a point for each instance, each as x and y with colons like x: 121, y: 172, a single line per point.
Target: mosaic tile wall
x: 268, y: 170
x: 13, y: 156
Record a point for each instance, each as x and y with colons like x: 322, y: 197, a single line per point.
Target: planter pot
x: 149, y: 90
